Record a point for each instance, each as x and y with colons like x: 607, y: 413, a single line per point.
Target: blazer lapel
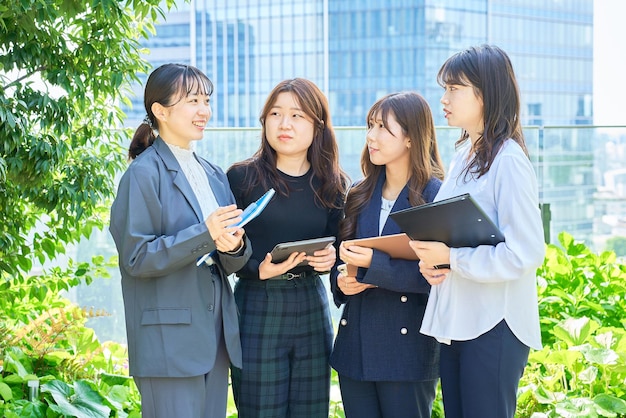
x: 402, y: 202
x: 217, y: 186
x: 178, y: 178
x: 371, y: 215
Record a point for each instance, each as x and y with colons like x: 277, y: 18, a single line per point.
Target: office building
x: 359, y: 50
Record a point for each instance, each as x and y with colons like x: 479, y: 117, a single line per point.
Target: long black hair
x: 489, y: 71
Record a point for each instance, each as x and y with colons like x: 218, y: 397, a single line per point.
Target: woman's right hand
x: 356, y: 255
x: 221, y: 221
x: 268, y: 269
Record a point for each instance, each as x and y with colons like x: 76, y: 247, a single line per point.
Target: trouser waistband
x: 291, y: 276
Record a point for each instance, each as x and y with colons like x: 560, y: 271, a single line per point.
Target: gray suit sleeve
x: 146, y: 246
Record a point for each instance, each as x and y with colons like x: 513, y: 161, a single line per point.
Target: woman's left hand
x: 323, y: 260
x: 349, y: 285
x: 434, y: 276
x: 434, y: 260
x: 431, y: 253
x: 230, y: 242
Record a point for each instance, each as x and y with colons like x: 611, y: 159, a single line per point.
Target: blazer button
x: 404, y: 331
x: 344, y: 322
x: 210, y: 307
x: 403, y: 299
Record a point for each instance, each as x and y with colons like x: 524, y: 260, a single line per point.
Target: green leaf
x: 80, y: 401
x: 5, y: 391
x: 565, y: 357
x: 545, y: 396
x: 575, y: 331
x: 16, y: 361
x: 589, y: 375
x: 601, y: 356
x: 25, y: 263
x: 115, y: 379
x: 48, y: 246
x: 611, y: 403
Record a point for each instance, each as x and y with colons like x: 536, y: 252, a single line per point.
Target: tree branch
x: 25, y: 76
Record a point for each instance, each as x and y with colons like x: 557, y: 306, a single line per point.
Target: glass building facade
x: 358, y: 50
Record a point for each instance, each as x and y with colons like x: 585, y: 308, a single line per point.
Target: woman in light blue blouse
x: 484, y: 307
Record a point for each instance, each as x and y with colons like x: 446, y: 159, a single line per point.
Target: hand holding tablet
x: 283, y: 250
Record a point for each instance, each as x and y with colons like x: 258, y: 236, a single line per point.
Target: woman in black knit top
x: 286, y: 329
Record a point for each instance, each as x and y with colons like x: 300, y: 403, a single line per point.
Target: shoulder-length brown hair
x: 414, y: 116
x: 323, y: 154
x: 489, y: 71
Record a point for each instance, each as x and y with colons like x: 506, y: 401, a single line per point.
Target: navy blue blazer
x: 378, y: 337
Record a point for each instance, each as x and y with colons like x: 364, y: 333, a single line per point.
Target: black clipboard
x: 458, y: 222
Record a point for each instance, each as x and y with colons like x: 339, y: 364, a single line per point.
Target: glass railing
x: 581, y: 172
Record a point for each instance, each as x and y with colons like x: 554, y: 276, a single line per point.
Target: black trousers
x: 363, y: 399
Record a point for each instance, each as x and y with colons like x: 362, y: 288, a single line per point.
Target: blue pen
x: 252, y: 211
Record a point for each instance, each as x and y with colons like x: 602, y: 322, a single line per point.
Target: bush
x: 581, y: 371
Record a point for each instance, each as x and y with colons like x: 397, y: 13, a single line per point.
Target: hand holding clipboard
x: 457, y: 222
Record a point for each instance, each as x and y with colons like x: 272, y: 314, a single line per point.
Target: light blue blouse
x: 487, y: 284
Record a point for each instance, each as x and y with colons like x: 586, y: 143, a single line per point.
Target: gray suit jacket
x: 170, y: 303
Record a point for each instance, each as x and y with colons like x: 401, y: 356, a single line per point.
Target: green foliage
x: 78, y: 375
x: 581, y: 371
x: 617, y: 245
x: 65, y: 65
x: 575, y: 282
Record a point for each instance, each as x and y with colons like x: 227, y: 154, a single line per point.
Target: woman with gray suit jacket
x: 386, y: 368
x: 171, y: 208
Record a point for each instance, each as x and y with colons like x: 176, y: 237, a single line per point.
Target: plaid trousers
x: 286, y: 339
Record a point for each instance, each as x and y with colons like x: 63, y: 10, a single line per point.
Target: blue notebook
x: 252, y: 211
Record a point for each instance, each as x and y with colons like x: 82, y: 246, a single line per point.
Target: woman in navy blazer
x: 171, y: 208
x: 386, y: 367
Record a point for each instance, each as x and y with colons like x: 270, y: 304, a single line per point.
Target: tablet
x: 283, y: 250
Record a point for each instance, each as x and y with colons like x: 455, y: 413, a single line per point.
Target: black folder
x: 458, y: 222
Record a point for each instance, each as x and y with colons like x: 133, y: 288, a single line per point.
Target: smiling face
x: 463, y: 108
x: 186, y: 119
x: 386, y: 142
x: 288, y: 129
